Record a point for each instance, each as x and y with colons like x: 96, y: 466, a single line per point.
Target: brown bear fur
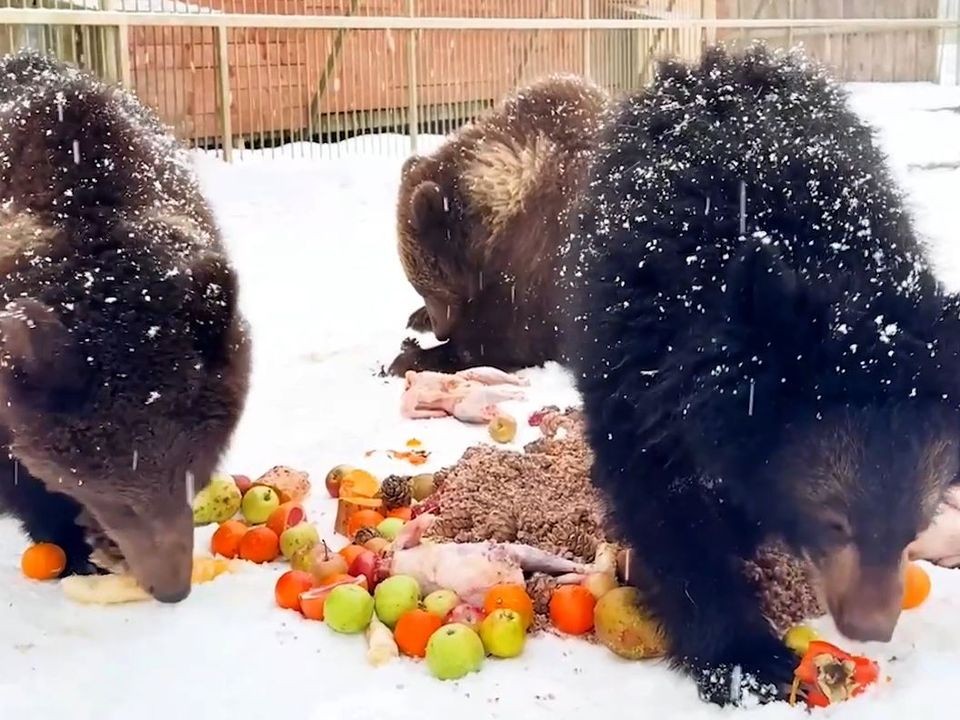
x: 479, y: 222
x: 124, y: 360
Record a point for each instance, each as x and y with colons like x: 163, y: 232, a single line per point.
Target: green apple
x: 303, y: 535
x: 395, y: 596
x: 217, y: 502
x: 389, y: 528
x: 302, y: 559
x: 441, y: 602
x: 503, y: 634
x: 423, y: 486
x: 454, y: 651
x: 348, y: 609
x: 258, y: 504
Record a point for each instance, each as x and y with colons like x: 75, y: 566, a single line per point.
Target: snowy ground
x: 324, y: 292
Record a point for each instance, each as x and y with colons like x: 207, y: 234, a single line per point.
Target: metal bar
x: 586, y: 42
x: 20, y: 16
x: 413, y: 116
x: 223, y: 88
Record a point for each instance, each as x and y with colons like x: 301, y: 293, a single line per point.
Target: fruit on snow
x: 453, y: 651
x: 600, y: 583
x: 43, y: 561
x: 413, y: 631
x: 289, y: 587
x: 259, y: 503
x: 348, y: 609
x: 365, y: 565
x: 510, y: 597
x: 334, y: 479
x: 465, y: 614
x: 503, y: 633
x: 441, y: 602
x: 799, y: 637
x: 376, y: 545
x: 571, y: 609
x: 288, y: 515
x: 300, y: 536
x: 395, y: 596
x: 359, y: 483
x: 916, y: 586
x: 389, y: 527
x: 312, y: 600
x: 423, y: 486
x: 218, y: 501
x: 226, y: 540
x: 502, y: 429
x: 350, y: 552
x: 260, y: 545
x: 325, y: 563
x: 243, y: 482
x: 362, y: 519
x: 624, y: 628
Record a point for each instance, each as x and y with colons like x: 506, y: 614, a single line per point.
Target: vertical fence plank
x: 413, y: 109
x: 223, y: 87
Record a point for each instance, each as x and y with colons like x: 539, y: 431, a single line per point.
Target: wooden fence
x: 254, y: 73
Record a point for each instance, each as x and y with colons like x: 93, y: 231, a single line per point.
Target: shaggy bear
x: 479, y: 222
x: 762, y: 351
x: 124, y: 359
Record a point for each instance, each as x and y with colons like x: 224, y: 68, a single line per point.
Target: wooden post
x: 587, y: 49
x: 223, y: 88
x: 791, y: 13
x: 123, y: 55
x: 708, y: 11
x: 413, y: 110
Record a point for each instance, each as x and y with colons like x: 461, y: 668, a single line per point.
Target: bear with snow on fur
x: 124, y: 359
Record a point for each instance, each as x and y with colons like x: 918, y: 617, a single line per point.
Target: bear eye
x: 837, y: 530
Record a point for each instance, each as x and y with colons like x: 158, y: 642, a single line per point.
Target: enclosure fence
x: 301, y: 75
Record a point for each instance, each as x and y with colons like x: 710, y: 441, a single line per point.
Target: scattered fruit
x: 243, y: 483
x: 599, y: 584
x: 423, y: 486
x: 325, y: 563
x: 916, y: 586
x: 298, y: 537
x: 334, y: 479
x: 260, y: 545
x: 510, y: 597
x: 362, y: 519
x: 502, y: 428
x: 624, y: 628
x: 348, y: 507
x: 206, y: 569
x: 43, y: 561
x: 218, y: 501
x: 503, y: 633
x: 365, y: 565
x: 464, y: 614
x: 799, y: 637
x: 348, y: 609
x: 359, y: 483
x: 389, y: 528
x: 259, y: 503
x: 350, y: 552
x: 302, y: 560
x: 312, y: 601
x: 395, y: 596
x: 288, y: 483
x: 829, y: 675
x: 441, y: 602
x: 365, y: 534
x: 288, y: 515
x: 404, y: 513
x: 454, y: 651
x: 413, y: 631
x: 571, y: 609
x: 381, y: 647
x: 376, y: 545
x: 226, y: 540
x: 289, y: 587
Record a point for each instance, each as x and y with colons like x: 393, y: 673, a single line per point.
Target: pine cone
x: 365, y: 534
x: 395, y: 491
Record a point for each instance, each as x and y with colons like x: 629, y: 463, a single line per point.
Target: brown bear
x: 480, y: 220
x: 124, y: 359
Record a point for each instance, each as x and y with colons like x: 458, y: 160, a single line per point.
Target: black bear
x: 479, y: 222
x: 124, y: 359
x: 762, y: 350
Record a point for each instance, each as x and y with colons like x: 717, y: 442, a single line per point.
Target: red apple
x: 243, y: 483
x: 325, y: 562
x: 466, y: 615
x: 366, y: 564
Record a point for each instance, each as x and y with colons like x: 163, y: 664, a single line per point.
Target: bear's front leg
x: 46, y: 516
x: 419, y: 321
x: 691, y: 565
x: 442, y: 358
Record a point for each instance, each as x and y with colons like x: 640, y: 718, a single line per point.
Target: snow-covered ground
x: 323, y: 289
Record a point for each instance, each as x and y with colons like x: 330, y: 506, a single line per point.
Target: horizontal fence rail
x: 329, y: 77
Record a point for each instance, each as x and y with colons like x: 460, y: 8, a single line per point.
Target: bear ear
x: 41, y: 363
x: 409, y: 164
x: 428, y: 207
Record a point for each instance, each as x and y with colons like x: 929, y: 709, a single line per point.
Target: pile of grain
x: 543, y: 497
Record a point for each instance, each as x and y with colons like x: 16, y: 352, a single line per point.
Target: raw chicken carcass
x: 469, y: 395
x: 471, y: 569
